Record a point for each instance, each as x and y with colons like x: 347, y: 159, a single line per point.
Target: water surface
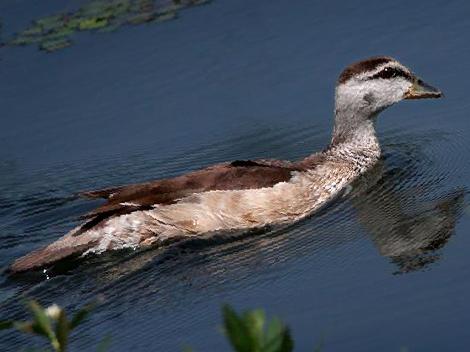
x: 383, y: 268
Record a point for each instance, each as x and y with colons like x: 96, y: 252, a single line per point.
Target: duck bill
x: 422, y: 90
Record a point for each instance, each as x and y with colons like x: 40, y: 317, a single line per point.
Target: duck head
x: 367, y: 87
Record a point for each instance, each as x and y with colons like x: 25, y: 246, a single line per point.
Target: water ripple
x: 401, y: 206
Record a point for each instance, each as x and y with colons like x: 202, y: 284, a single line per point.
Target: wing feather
x: 240, y: 174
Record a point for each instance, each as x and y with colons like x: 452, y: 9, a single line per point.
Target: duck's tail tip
x: 46, y: 256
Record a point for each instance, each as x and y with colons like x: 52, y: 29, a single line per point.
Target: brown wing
x: 228, y: 176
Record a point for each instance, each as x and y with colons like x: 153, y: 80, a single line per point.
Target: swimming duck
x: 245, y: 194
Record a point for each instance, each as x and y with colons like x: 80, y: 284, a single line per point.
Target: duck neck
x: 355, y: 134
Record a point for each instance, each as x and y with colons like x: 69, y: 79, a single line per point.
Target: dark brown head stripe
x: 362, y: 66
x: 391, y: 72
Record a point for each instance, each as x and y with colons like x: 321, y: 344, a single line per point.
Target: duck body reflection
x: 404, y: 226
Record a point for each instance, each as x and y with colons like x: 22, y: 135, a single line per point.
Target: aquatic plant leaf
x: 278, y: 338
x: 92, y: 23
x: 54, y: 45
x: 287, y: 342
x: 237, y: 331
x: 96, y: 16
x: 6, y: 324
x: 62, y: 330
x: 254, y: 321
x: 42, y: 324
x: 24, y: 326
x: 273, y: 336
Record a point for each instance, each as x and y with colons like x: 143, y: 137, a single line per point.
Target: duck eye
x: 389, y: 72
x: 386, y: 73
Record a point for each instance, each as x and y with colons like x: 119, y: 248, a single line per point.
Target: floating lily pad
x: 54, y: 44
x: 200, y: 2
x: 54, y: 32
x: 31, y: 31
x: 63, y: 32
x: 110, y: 28
x: 142, y: 18
x: 92, y: 23
x: 170, y: 8
x: 167, y: 16
x: 50, y: 23
x: 24, y: 40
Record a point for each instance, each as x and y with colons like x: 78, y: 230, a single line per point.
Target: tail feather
x: 65, y: 247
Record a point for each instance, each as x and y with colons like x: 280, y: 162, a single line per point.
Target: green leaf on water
x: 42, y: 324
x: 237, y: 331
x: 278, y: 338
x: 247, y: 332
x: 6, y: 324
x: 24, y: 326
x: 62, y: 330
x: 254, y: 321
